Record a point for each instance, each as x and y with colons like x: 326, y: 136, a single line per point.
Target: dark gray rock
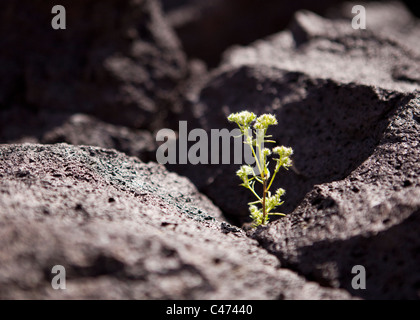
x: 332, y: 49
x: 81, y: 129
x: 369, y: 218
x: 389, y: 18
x: 124, y: 229
x: 348, y: 103
x: 117, y: 60
x: 328, y: 145
x: 333, y: 90
x: 207, y: 28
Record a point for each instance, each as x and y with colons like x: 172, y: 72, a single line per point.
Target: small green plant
x: 249, y: 124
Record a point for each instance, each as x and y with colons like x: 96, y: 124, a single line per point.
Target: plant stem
x: 263, y: 202
x: 256, y: 159
x: 252, y: 148
x: 260, y: 141
x: 253, y: 191
x: 272, y: 179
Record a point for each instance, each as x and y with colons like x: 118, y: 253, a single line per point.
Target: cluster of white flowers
x: 242, y: 119
x: 275, y: 200
x: 245, y: 118
x: 266, y: 152
x: 264, y: 121
x: 256, y: 215
x: 284, y: 154
x: 244, y: 173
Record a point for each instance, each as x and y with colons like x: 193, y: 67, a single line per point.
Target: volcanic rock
x: 207, y: 28
x: 124, y: 229
x: 333, y: 90
x: 370, y: 218
x: 116, y: 60
x: 347, y: 101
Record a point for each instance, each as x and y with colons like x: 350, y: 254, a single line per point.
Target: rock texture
x: 81, y: 129
x: 348, y: 103
x: 124, y: 229
x: 207, y: 28
x: 332, y: 88
x: 332, y: 49
x: 369, y: 218
x: 117, y: 60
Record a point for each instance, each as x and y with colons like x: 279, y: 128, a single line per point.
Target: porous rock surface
x: 332, y: 49
x: 332, y: 105
x: 117, y: 60
x: 124, y: 229
x: 347, y: 101
x: 369, y: 218
x: 207, y: 28
x: 82, y: 129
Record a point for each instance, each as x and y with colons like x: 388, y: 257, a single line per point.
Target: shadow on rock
x: 389, y: 257
x: 332, y: 127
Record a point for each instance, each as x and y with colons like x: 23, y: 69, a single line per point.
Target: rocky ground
x: 125, y: 229
x: 79, y: 185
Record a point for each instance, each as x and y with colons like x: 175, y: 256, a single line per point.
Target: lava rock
x: 81, y: 129
x: 123, y: 229
x: 207, y: 28
x: 333, y: 90
x: 370, y: 218
x: 332, y: 49
x: 116, y: 60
